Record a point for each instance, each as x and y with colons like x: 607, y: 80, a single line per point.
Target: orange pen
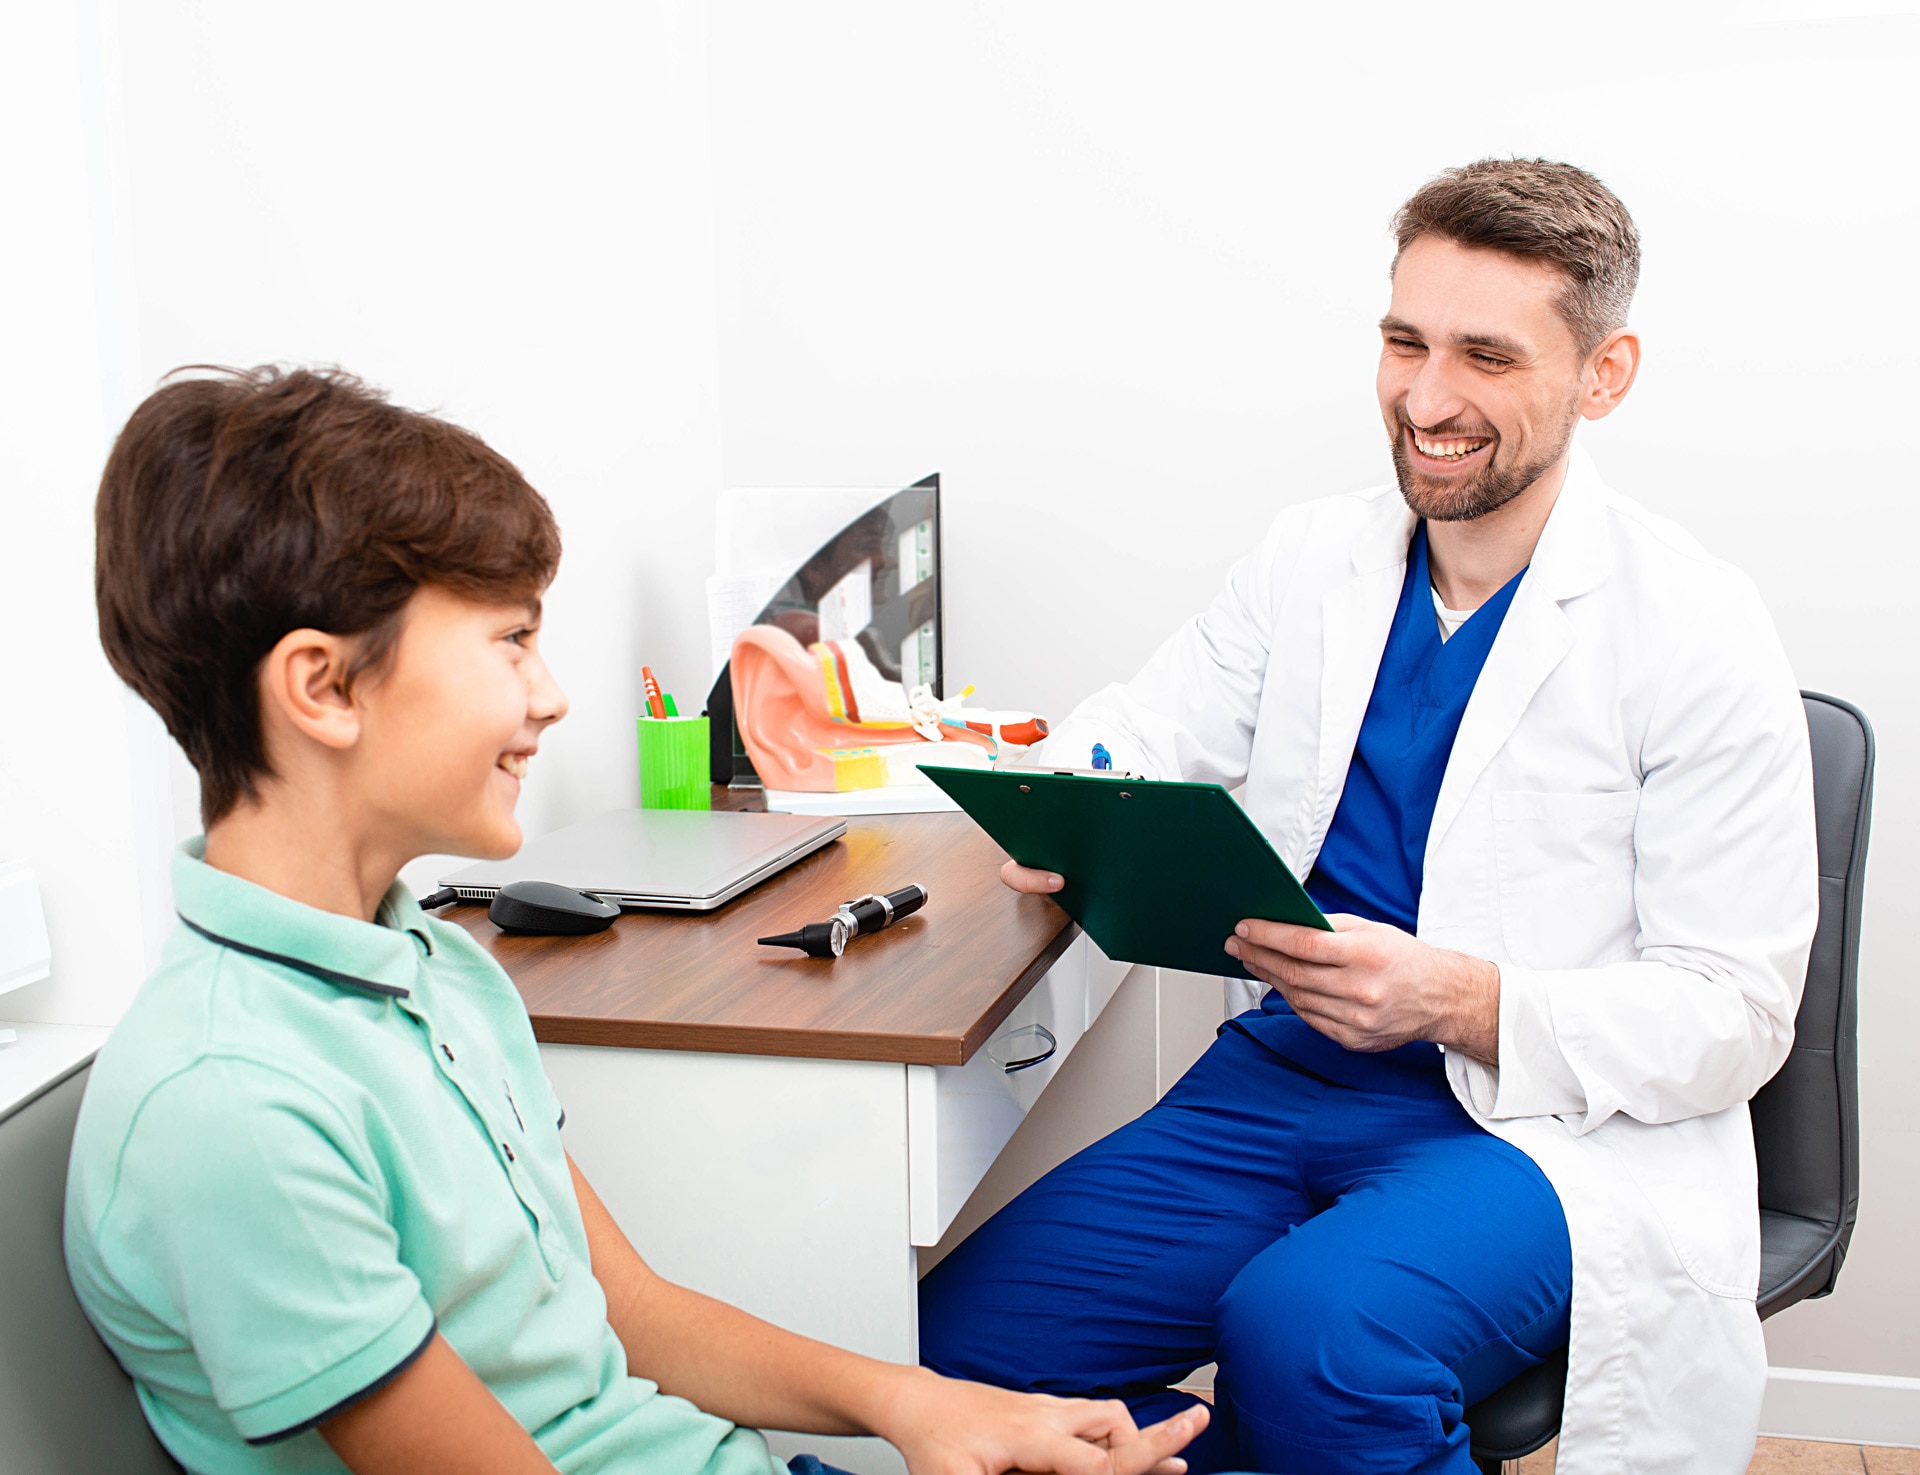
x: 654, y: 703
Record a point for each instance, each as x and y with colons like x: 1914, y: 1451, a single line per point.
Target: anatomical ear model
x: 823, y: 719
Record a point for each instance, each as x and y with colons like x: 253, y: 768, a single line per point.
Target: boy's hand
x: 947, y: 1427
x: 731, y: 1364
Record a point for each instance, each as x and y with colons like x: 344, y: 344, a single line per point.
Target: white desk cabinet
x: 800, y: 1189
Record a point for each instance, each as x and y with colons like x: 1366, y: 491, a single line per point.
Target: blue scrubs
x: 1359, y: 1256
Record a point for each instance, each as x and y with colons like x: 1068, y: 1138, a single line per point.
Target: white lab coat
x: 1626, y: 828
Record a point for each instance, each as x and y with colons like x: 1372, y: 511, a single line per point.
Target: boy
x: 318, y: 1203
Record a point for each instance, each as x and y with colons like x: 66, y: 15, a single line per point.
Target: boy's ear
x: 303, y: 684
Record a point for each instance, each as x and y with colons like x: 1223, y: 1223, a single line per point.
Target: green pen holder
x: 674, y: 772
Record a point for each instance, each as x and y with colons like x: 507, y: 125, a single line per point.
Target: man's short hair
x: 1542, y: 211
x: 237, y: 506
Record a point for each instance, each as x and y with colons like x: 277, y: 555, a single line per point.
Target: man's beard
x: 1492, y: 489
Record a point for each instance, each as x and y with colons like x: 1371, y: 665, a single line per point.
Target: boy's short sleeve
x: 251, y: 1217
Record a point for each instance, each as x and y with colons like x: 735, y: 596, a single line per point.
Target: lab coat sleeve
x: 1726, y: 894
x: 1190, y: 712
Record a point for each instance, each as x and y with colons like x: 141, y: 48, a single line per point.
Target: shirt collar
x: 382, y: 956
x: 1574, y: 552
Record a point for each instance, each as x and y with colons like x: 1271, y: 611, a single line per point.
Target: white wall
x: 1112, y: 270
x: 70, y: 741
x: 502, y: 218
x: 504, y: 221
x: 1109, y: 268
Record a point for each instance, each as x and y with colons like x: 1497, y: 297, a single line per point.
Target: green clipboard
x: 1156, y: 873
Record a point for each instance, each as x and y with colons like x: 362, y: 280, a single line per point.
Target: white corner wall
x: 499, y: 214
x: 71, y: 744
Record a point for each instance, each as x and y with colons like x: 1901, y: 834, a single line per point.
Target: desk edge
x: 809, y: 1044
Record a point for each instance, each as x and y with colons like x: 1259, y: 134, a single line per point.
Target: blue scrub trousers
x: 1362, y: 1262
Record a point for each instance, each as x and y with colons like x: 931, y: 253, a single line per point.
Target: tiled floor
x: 1892, y: 1461
x: 1794, y: 1457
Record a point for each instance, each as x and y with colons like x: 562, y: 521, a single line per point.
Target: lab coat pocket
x: 1699, y: 1175
x: 1565, y: 867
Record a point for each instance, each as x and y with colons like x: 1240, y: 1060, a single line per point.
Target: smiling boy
x: 318, y: 1204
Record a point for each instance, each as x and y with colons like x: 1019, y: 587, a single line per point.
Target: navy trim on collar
x: 326, y: 975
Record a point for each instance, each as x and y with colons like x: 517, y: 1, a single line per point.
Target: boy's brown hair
x: 1544, y: 211
x: 238, y: 505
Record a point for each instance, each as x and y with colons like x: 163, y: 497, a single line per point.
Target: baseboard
x: 1801, y: 1403
x: 1841, y: 1408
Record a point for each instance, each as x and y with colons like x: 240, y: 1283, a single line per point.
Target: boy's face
x: 447, y: 730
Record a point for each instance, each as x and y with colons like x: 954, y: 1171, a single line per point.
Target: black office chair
x: 1806, y: 1120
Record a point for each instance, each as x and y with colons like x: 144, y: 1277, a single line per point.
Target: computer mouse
x: 544, y: 909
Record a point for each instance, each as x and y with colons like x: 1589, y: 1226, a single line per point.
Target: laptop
x: 685, y: 860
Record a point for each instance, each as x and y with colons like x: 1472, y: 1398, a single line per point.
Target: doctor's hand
x: 1371, y: 987
x: 1025, y: 878
x: 946, y: 1427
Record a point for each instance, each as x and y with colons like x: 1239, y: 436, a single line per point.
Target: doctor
x: 1543, y: 762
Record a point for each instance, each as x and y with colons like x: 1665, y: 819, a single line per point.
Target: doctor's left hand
x: 1372, y: 987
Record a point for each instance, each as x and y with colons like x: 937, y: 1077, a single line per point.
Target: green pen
x: 672, y: 711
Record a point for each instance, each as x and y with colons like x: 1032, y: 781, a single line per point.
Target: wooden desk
x: 783, y: 1132
x: 926, y: 991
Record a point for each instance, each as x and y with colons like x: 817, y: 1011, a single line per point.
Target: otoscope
x: 854, y: 919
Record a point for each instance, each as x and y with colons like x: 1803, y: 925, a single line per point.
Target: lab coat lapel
x: 1355, y: 620
x: 1570, y: 559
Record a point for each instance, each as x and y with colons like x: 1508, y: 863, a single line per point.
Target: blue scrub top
x: 1374, y: 858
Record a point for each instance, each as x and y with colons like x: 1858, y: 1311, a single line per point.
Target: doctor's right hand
x: 1025, y: 878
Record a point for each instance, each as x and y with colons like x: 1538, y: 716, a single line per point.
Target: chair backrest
x: 66, y: 1407
x: 1806, y: 1120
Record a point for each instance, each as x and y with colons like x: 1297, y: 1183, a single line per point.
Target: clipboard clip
x: 1019, y: 768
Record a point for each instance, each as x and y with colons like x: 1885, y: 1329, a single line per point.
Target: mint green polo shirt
x: 312, y: 1142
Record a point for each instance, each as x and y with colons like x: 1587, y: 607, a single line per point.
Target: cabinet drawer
x: 959, y: 1117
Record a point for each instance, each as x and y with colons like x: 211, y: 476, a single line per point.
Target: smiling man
x: 1543, y: 763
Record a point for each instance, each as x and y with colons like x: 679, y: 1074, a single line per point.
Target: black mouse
x: 542, y: 908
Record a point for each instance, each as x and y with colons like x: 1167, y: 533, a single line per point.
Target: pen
x: 654, y: 705
x: 1102, y: 759
x: 672, y: 710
